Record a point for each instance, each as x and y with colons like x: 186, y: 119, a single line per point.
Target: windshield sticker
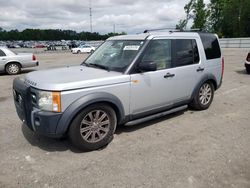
x: 131, y: 47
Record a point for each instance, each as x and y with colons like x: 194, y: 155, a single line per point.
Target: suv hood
x: 74, y: 77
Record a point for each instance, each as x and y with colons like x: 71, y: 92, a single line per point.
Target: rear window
x: 211, y: 45
x: 2, y: 53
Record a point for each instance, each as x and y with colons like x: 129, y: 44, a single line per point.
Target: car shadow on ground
x: 243, y: 71
x: 25, y: 71
x: 63, y: 144
x: 47, y: 144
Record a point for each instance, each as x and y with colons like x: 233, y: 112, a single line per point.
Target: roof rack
x: 171, y: 30
x: 160, y: 29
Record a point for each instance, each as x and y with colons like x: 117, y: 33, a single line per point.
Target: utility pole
x: 90, y: 16
x: 114, y: 28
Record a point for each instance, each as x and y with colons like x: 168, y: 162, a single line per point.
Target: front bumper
x: 41, y: 122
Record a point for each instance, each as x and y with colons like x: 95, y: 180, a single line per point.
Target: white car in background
x: 12, y: 63
x: 83, y: 49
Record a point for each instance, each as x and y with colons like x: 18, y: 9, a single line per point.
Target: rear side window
x: 184, y: 52
x: 2, y: 53
x: 211, y: 45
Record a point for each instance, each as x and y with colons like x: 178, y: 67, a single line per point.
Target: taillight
x: 33, y: 57
x: 248, y: 57
x: 222, y: 67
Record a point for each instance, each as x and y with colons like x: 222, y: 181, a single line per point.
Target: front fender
x: 81, y: 103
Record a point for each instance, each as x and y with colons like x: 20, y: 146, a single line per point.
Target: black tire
x: 248, y: 70
x: 13, y: 68
x: 199, y: 103
x: 78, y: 51
x: 92, y: 51
x: 84, y: 141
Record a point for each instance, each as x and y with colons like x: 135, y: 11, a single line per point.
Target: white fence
x: 235, y: 42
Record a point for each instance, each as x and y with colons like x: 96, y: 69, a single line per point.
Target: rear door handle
x: 169, y: 75
x: 200, y: 69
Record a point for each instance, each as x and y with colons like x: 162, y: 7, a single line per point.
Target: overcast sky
x: 131, y: 16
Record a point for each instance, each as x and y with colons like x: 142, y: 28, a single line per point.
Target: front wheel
x: 93, y: 128
x: 204, y: 97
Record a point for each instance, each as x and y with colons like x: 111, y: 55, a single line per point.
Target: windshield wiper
x: 99, y: 66
x: 83, y: 63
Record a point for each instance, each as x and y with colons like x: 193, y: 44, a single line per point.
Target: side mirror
x: 147, y: 66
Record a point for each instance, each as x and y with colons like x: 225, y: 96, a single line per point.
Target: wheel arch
x: 10, y: 62
x: 207, y: 78
x: 77, y: 106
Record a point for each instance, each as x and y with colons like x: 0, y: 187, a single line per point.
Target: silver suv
x: 127, y: 80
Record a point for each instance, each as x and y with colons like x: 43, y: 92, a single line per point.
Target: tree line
x: 227, y: 18
x: 52, y: 34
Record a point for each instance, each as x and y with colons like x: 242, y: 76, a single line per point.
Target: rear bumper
x: 30, y: 64
x: 42, y: 122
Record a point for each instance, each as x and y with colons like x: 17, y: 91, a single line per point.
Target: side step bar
x: 151, y: 117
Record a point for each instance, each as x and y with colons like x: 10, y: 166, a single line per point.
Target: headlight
x: 49, y: 101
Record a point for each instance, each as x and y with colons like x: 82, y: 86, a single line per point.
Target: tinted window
x: 185, y: 52
x: 211, y: 45
x: 159, y: 51
x: 2, y: 53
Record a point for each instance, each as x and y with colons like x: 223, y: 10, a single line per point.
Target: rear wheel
x: 93, y: 128
x: 203, y: 97
x: 13, y: 68
x: 78, y: 51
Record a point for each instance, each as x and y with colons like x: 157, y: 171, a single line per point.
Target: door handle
x: 168, y: 75
x: 3, y: 59
x: 200, y: 69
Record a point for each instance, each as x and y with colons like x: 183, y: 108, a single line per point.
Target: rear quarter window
x: 2, y: 53
x: 211, y: 45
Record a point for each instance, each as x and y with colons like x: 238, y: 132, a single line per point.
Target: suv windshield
x: 114, y: 55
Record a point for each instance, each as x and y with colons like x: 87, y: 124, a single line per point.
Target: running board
x: 151, y: 117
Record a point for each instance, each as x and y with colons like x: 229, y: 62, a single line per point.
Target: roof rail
x: 160, y: 29
x: 171, y: 30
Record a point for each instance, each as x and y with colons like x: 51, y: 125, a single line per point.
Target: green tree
x: 200, y: 15
x: 183, y: 22
x: 195, y: 9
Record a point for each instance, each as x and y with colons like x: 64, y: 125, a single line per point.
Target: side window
x: 211, y: 45
x: 184, y: 52
x: 2, y: 53
x: 159, y: 51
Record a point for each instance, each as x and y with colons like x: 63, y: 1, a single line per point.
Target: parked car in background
x: 247, y: 63
x: 12, y: 63
x: 83, y: 49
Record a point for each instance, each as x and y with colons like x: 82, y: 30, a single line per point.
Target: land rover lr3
x: 129, y: 79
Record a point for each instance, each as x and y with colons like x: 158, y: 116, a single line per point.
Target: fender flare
x: 203, y: 80
x: 69, y: 114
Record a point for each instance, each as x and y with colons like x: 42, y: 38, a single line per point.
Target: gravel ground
x: 187, y: 149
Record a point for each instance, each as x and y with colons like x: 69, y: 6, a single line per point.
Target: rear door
x: 177, y: 74
x: 187, y: 67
